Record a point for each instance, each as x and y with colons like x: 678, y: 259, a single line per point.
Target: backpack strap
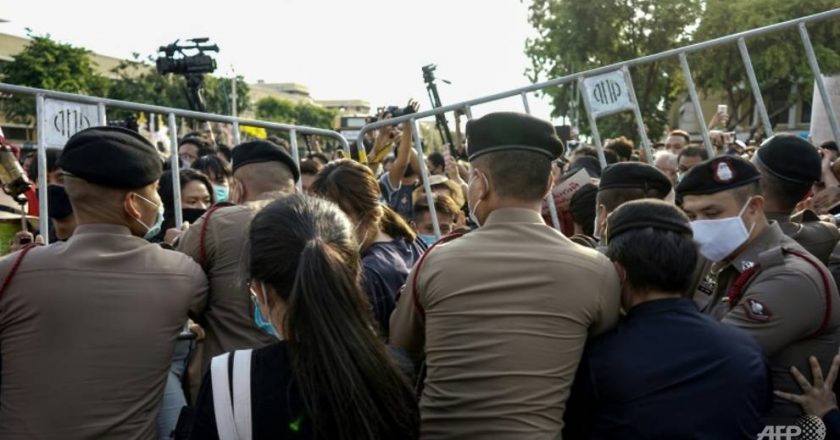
x: 202, y: 236
x: 417, y: 306
x: 23, y: 251
x: 233, y: 412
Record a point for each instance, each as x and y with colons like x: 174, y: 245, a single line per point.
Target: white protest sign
x: 820, y: 127
x: 62, y: 119
x: 607, y: 93
x: 565, y: 190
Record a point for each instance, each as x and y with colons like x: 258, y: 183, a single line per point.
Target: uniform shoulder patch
x: 756, y: 310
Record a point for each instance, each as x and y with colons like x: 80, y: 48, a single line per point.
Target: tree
x: 579, y: 35
x: 48, y: 64
x: 778, y: 59
x: 287, y: 112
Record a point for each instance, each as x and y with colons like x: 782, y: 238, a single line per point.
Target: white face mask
x: 596, y: 234
x: 718, y: 239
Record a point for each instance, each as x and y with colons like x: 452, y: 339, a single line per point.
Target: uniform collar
x: 513, y: 215
x: 101, y: 228
x: 771, y: 237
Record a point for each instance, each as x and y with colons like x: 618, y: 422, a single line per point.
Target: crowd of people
x: 683, y: 296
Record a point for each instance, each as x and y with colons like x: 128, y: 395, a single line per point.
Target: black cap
x: 262, y: 151
x: 588, y: 163
x: 790, y: 158
x: 634, y: 175
x: 507, y: 131
x: 646, y: 213
x: 716, y: 175
x: 112, y: 157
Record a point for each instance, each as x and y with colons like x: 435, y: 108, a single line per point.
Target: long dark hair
x: 167, y: 197
x: 355, y: 189
x: 304, y: 248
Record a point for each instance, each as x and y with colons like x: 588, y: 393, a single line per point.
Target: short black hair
x: 436, y: 159
x: 52, y: 164
x: 582, y: 207
x: 212, y: 165
x: 743, y: 193
x: 694, y: 152
x: 785, y: 193
x: 585, y: 150
x: 516, y: 174
x: 225, y: 150
x: 622, y: 146
x: 611, y: 156
x: 656, y: 259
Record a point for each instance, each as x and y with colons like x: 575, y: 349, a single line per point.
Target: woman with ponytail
x: 329, y: 377
x: 388, y: 245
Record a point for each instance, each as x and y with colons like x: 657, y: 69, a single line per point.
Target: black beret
x: 646, y: 213
x: 790, y: 158
x: 716, y: 175
x: 262, y: 151
x: 112, y: 157
x: 588, y: 163
x: 634, y: 175
x: 512, y: 131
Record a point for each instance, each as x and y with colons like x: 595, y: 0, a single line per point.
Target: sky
x: 352, y: 49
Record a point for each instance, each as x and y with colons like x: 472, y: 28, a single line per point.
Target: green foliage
x: 284, y: 111
x: 48, y: 64
x: 579, y: 35
x: 778, y: 59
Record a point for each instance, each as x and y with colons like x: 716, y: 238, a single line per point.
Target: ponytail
x: 350, y: 387
x: 394, y: 225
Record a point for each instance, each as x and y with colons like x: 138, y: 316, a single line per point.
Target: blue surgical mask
x: 153, y: 230
x: 221, y: 192
x: 428, y: 239
x: 260, y: 321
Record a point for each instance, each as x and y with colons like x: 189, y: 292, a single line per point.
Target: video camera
x: 393, y: 110
x: 187, y: 64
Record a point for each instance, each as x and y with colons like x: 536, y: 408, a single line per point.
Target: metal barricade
x: 618, y: 75
x: 94, y: 109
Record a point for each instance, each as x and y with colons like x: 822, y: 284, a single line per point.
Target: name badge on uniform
x: 709, y: 285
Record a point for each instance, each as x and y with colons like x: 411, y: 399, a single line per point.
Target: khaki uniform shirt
x: 229, y: 319
x: 782, y: 307
x: 508, y: 309
x: 87, y: 332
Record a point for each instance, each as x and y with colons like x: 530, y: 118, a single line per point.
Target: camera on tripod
x: 184, y: 64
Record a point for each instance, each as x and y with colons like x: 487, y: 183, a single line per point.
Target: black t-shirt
x: 386, y: 266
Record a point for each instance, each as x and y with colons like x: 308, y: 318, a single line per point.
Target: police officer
x: 262, y: 172
x: 789, y: 166
x: 502, y: 313
x: 626, y: 181
x: 762, y: 281
x: 88, y: 326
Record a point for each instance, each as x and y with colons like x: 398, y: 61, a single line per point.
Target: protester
x: 219, y: 173
x: 666, y: 162
x: 398, y: 184
x: 53, y: 177
x: 763, y: 282
x: 192, y: 147
x: 622, y: 147
x: 501, y: 314
x: 829, y: 150
x: 436, y: 164
x: 441, y: 185
x: 447, y: 212
x: 688, y: 158
x: 329, y: 377
x: 60, y: 212
x: 196, y: 197
x: 89, y: 325
x: 676, y: 141
x: 789, y: 167
x: 309, y: 169
x: 387, y: 243
x: 640, y: 380
x: 623, y: 182
x: 588, y: 163
x: 262, y: 172
x: 818, y: 399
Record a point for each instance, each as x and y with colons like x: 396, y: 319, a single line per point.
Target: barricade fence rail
x: 609, y: 90
x: 44, y: 98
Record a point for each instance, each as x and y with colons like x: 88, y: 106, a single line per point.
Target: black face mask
x: 59, y: 203
x: 192, y: 214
